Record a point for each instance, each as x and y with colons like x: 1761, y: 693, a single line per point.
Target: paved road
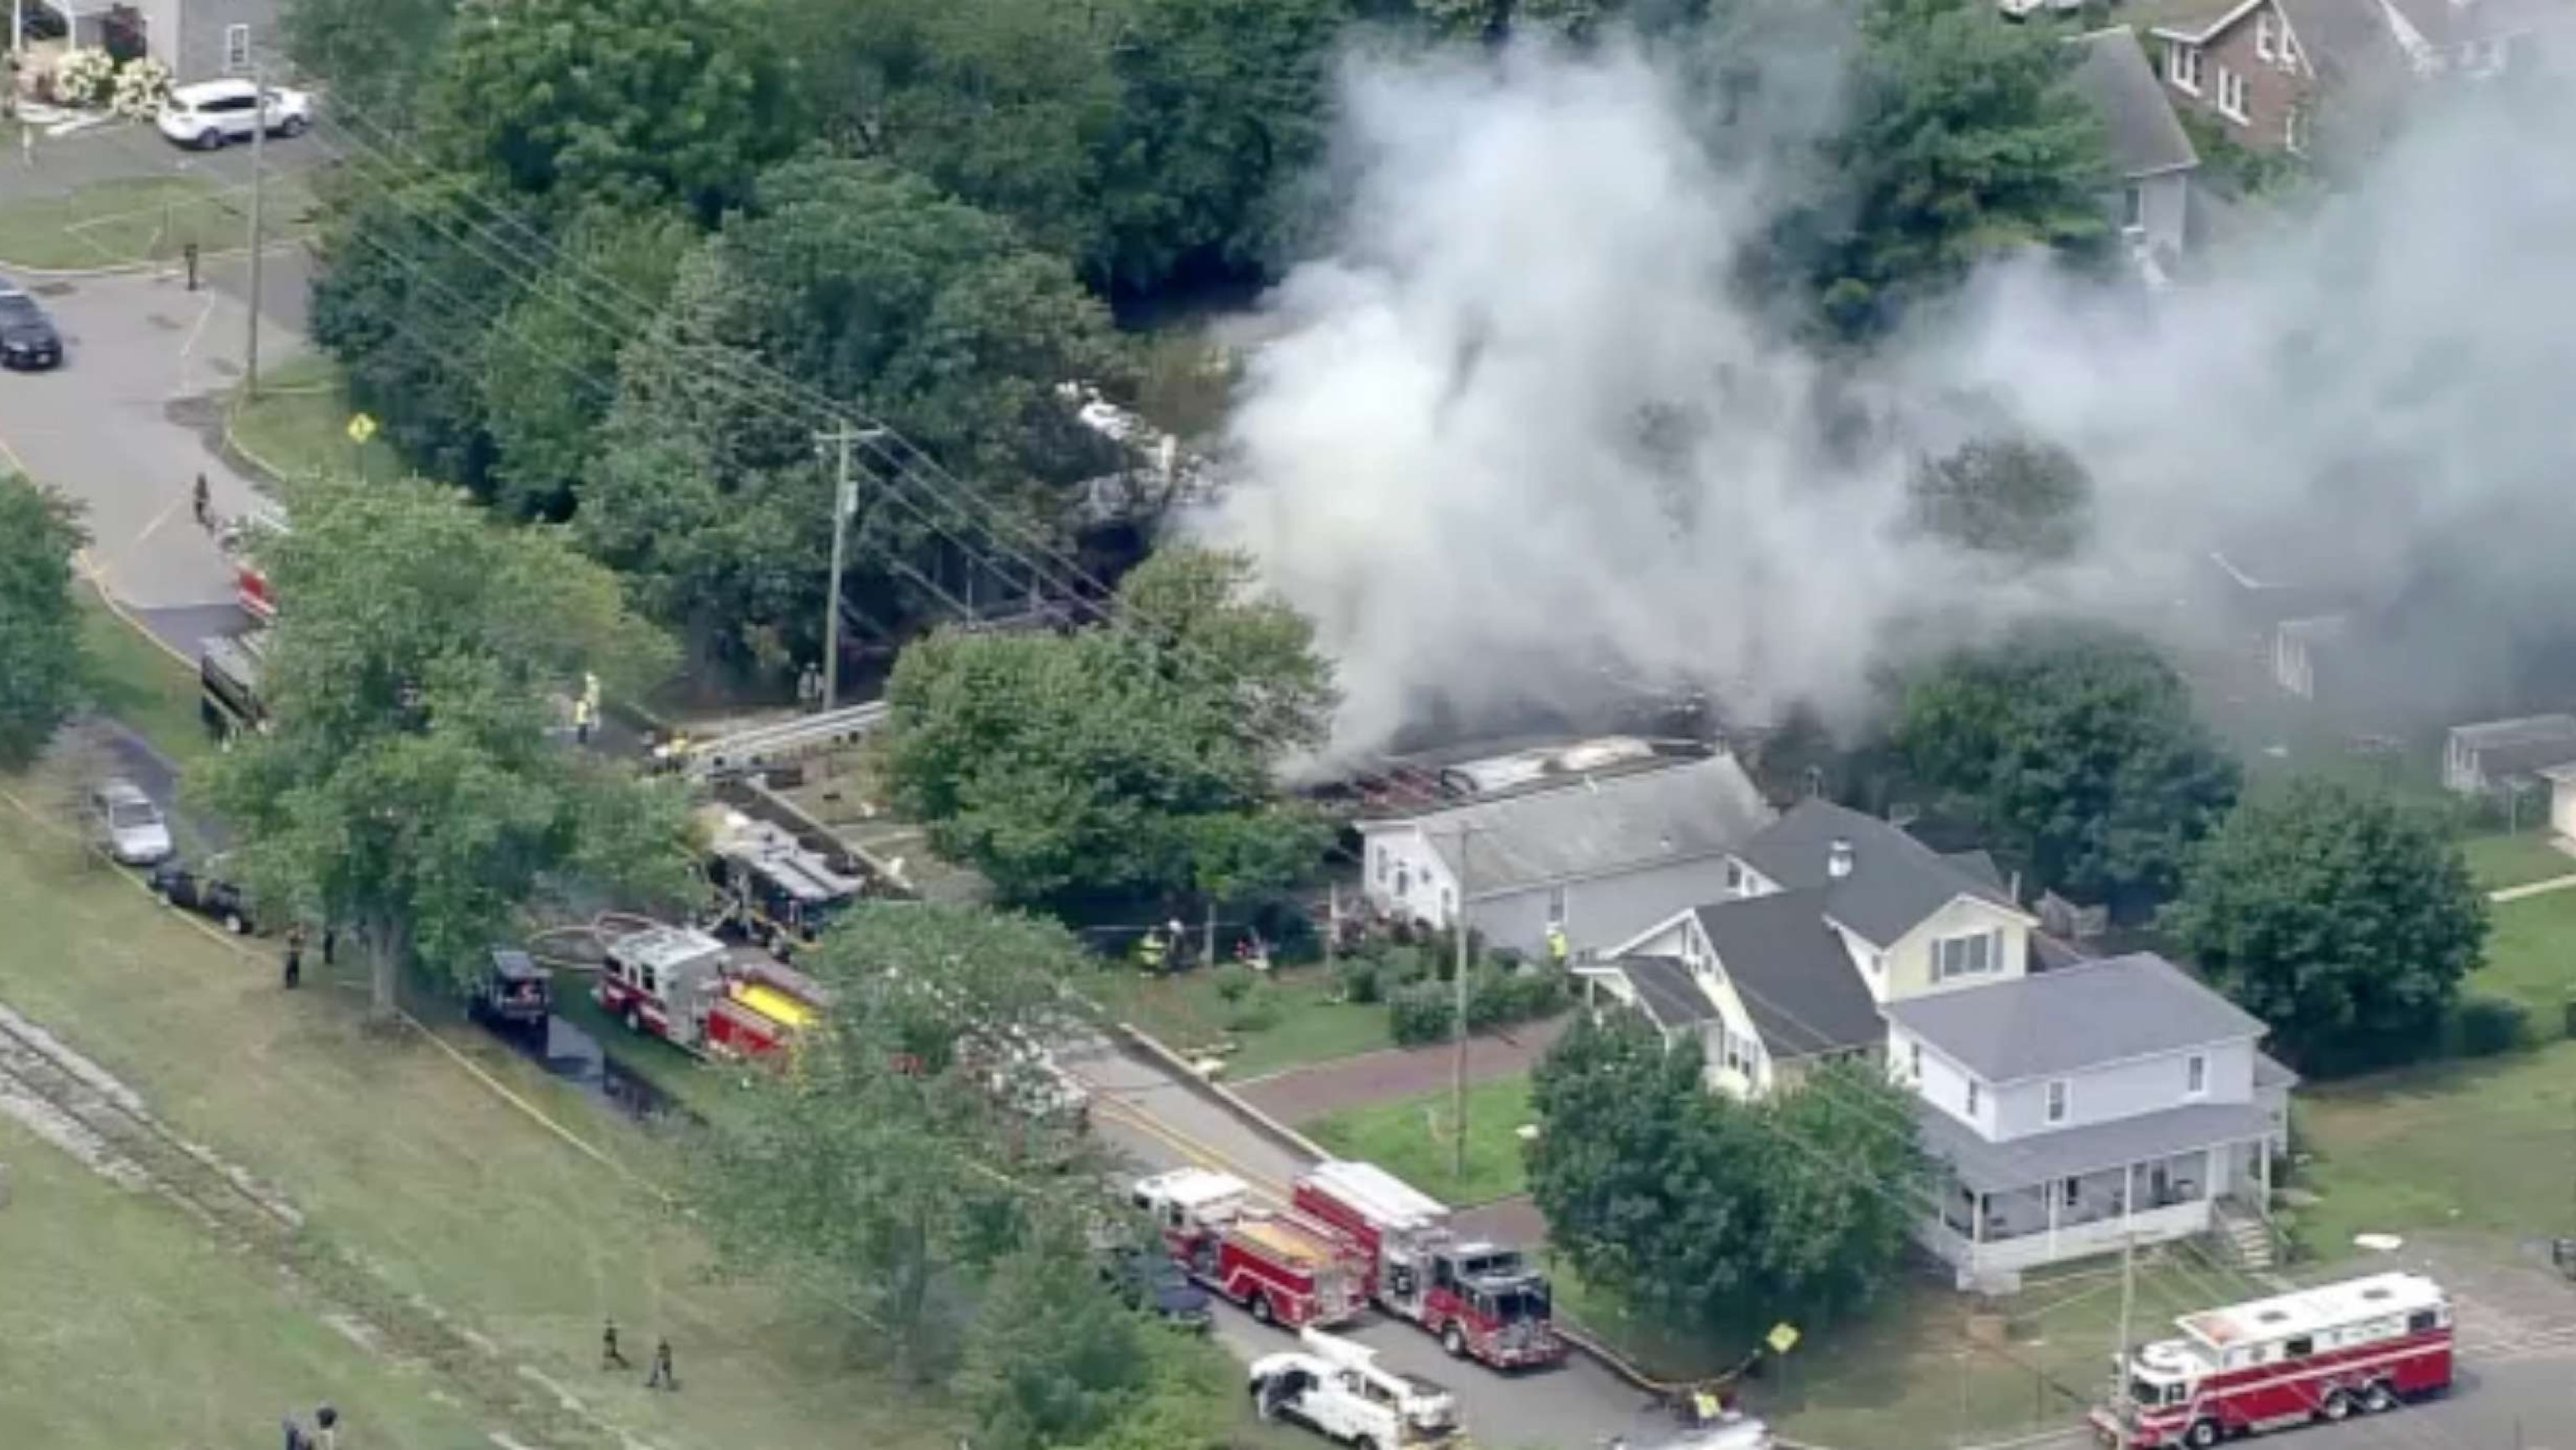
x: 1163, y: 1124
x: 127, y: 424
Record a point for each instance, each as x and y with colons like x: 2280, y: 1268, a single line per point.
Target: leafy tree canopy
x: 2337, y: 916
x: 2012, y: 496
x: 2078, y: 749
x: 632, y: 104
x: 375, y: 53
x: 1962, y: 141
x: 408, y: 789
x: 1131, y: 760
x: 870, y: 286
x: 40, y: 654
x: 1703, y: 1211
x: 884, y: 1174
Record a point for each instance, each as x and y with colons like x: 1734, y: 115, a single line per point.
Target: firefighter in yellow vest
x: 1556, y: 949
x: 1150, y: 950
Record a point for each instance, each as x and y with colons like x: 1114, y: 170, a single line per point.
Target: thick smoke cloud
x: 1518, y: 432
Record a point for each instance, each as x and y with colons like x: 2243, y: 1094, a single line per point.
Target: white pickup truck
x: 1338, y: 1389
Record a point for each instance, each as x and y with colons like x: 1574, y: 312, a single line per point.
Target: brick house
x: 2264, y: 67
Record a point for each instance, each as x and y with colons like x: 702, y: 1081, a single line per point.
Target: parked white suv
x: 210, y: 113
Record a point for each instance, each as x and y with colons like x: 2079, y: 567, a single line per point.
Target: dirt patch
x: 65, y: 1132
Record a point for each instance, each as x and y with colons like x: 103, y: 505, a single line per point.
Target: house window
x: 1404, y: 880
x: 1735, y: 878
x: 1556, y: 906
x: 1967, y: 956
x: 2263, y: 34
x: 1385, y: 861
x: 2195, y: 1075
x: 2074, y: 1192
x: 2291, y: 139
x: 2057, y: 1101
x: 2133, y: 209
x: 1972, y: 1097
x: 1448, y: 903
x: 236, y: 49
x: 2231, y: 94
x: 2182, y: 65
x: 1914, y: 1059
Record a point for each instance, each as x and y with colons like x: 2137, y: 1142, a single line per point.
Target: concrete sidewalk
x: 1302, y: 1093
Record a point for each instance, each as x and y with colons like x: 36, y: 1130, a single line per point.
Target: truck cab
x: 1337, y: 1388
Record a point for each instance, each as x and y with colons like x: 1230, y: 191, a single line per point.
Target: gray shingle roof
x: 1602, y: 826
x: 2528, y: 730
x: 2072, y: 1152
x: 2142, y: 135
x: 1665, y: 991
x: 1792, y: 972
x: 1895, y: 881
x: 2075, y: 1017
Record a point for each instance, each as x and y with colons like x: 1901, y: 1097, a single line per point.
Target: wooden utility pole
x: 1458, y: 1033
x: 258, y: 189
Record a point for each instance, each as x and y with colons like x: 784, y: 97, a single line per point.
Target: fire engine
x: 1481, y: 1299
x: 1284, y: 1267
x: 2331, y: 1352
x: 770, y: 887
x: 682, y: 986
x: 250, y: 583
x: 1340, y: 1389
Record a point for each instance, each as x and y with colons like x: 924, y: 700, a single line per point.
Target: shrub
x: 1358, y: 977
x: 84, y: 77
x: 1233, y: 980
x: 2484, y: 1026
x: 140, y: 88
x: 1498, y: 998
x: 1419, y: 1013
x: 1255, y: 1011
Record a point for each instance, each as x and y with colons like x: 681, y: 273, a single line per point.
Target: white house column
x: 2052, y: 1189
x: 2128, y: 1195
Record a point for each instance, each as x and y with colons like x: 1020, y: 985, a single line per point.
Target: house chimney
x: 1838, y: 859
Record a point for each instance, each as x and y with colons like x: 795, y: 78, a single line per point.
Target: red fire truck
x: 1284, y: 1267
x: 2357, y: 1347
x: 688, y: 988
x: 1482, y: 1300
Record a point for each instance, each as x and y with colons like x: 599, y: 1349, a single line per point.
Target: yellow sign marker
x: 361, y: 428
x: 1782, y: 1338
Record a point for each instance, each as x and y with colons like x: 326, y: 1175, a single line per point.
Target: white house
x: 2144, y: 143
x: 2110, y: 1100
x: 1600, y: 856
x: 2483, y: 758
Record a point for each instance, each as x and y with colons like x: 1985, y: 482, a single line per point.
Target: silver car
x: 128, y: 824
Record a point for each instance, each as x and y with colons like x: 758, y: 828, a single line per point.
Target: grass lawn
x: 1186, y: 1013
x: 133, y: 680
x: 128, y: 219
x: 2476, y: 1147
x: 2500, y: 860
x: 127, y: 1327
x: 2531, y: 956
x: 299, y: 424
x: 401, y: 1160
x: 1410, y: 1138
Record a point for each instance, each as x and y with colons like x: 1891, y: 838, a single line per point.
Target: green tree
x: 2342, y: 919
x: 40, y: 652
x: 631, y: 104
x: 376, y: 53
x: 407, y: 789
x: 1962, y: 141
x: 1052, y: 1359
x: 1702, y: 1211
x: 2078, y: 750
x: 1105, y: 761
x: 2012, y: 496
x: 866, y: 285
x: 882, y: 1174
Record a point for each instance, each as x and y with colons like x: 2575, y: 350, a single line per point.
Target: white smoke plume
x: 1517, y: 431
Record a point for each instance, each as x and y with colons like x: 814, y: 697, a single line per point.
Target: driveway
x: 127, y: 424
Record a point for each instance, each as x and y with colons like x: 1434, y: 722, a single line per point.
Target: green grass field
x: 2531, y: 956
x: 131, y: 679
x: 300, y: 424
x: 404, y: 1162
x: 1187, y: 1013
x: 123, y: 220
x: 1411, y: 1138
x: 2500, y: 860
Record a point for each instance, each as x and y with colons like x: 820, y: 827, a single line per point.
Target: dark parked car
x: 1149, y: 1281
x: 204, y: 892
x: 27, y: 336
x: 514, y: 991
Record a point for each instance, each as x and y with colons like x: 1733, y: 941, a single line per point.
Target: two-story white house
x: 2072, y: 1110
x: 2067, y: 1103
x: 1826, y: 913
x: 1598, y: 856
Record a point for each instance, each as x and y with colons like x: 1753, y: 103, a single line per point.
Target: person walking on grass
x: 610, y: 1356
x: 661, y: 1378
x: 294, y: 956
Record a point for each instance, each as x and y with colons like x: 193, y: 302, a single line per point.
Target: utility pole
x: 844, y: 501
x: 258, y: 186
x: 2128, y: 1301
x: 1458, y: 1028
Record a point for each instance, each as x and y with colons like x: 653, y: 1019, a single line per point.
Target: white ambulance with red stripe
x: 2363, y: 1346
